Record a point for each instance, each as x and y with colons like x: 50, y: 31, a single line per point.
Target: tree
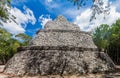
x: 115, y: 36
x: 97, y: 7
x: 108, y: 38
x: 5, y: 45
x: 24, y: 38
x: 114, y: 42
x: 101, y: 36
x: 3, y: 9
x: 9, y: 45
x: 5, y: 15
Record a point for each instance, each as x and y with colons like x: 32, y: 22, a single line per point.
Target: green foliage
x: 4, y: 13
x: 108, y: 38
x: 105, y: 35
x: 5, y: 49
x: 115, y: 37
x: 25, y: 38
x: 114, y: 41
x: 101, y: 36
x: 9, y: 45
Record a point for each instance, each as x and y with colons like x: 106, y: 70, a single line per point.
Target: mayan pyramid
x: 60, y: 48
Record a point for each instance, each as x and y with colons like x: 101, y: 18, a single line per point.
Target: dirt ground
x: 110, y: 75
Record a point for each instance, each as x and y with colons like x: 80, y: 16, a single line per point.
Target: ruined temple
x: 60, y: 48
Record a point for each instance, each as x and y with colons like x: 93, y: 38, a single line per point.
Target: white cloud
x: 71, y: 12
x: 83, y: 19
x: 43, y: 19
x: 13, y: 28
x: 18, y: 2
x: 22, y: 19
x: 58, y: 7
x: 50, y: 4
x: 49, y: 0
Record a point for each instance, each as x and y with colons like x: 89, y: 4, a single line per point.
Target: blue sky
x: 31, y: 15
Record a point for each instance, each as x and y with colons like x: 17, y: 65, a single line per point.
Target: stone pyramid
x: 60, y: 48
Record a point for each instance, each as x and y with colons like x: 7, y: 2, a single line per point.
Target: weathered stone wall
x: 63, y: 38
x: 54, y: 62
